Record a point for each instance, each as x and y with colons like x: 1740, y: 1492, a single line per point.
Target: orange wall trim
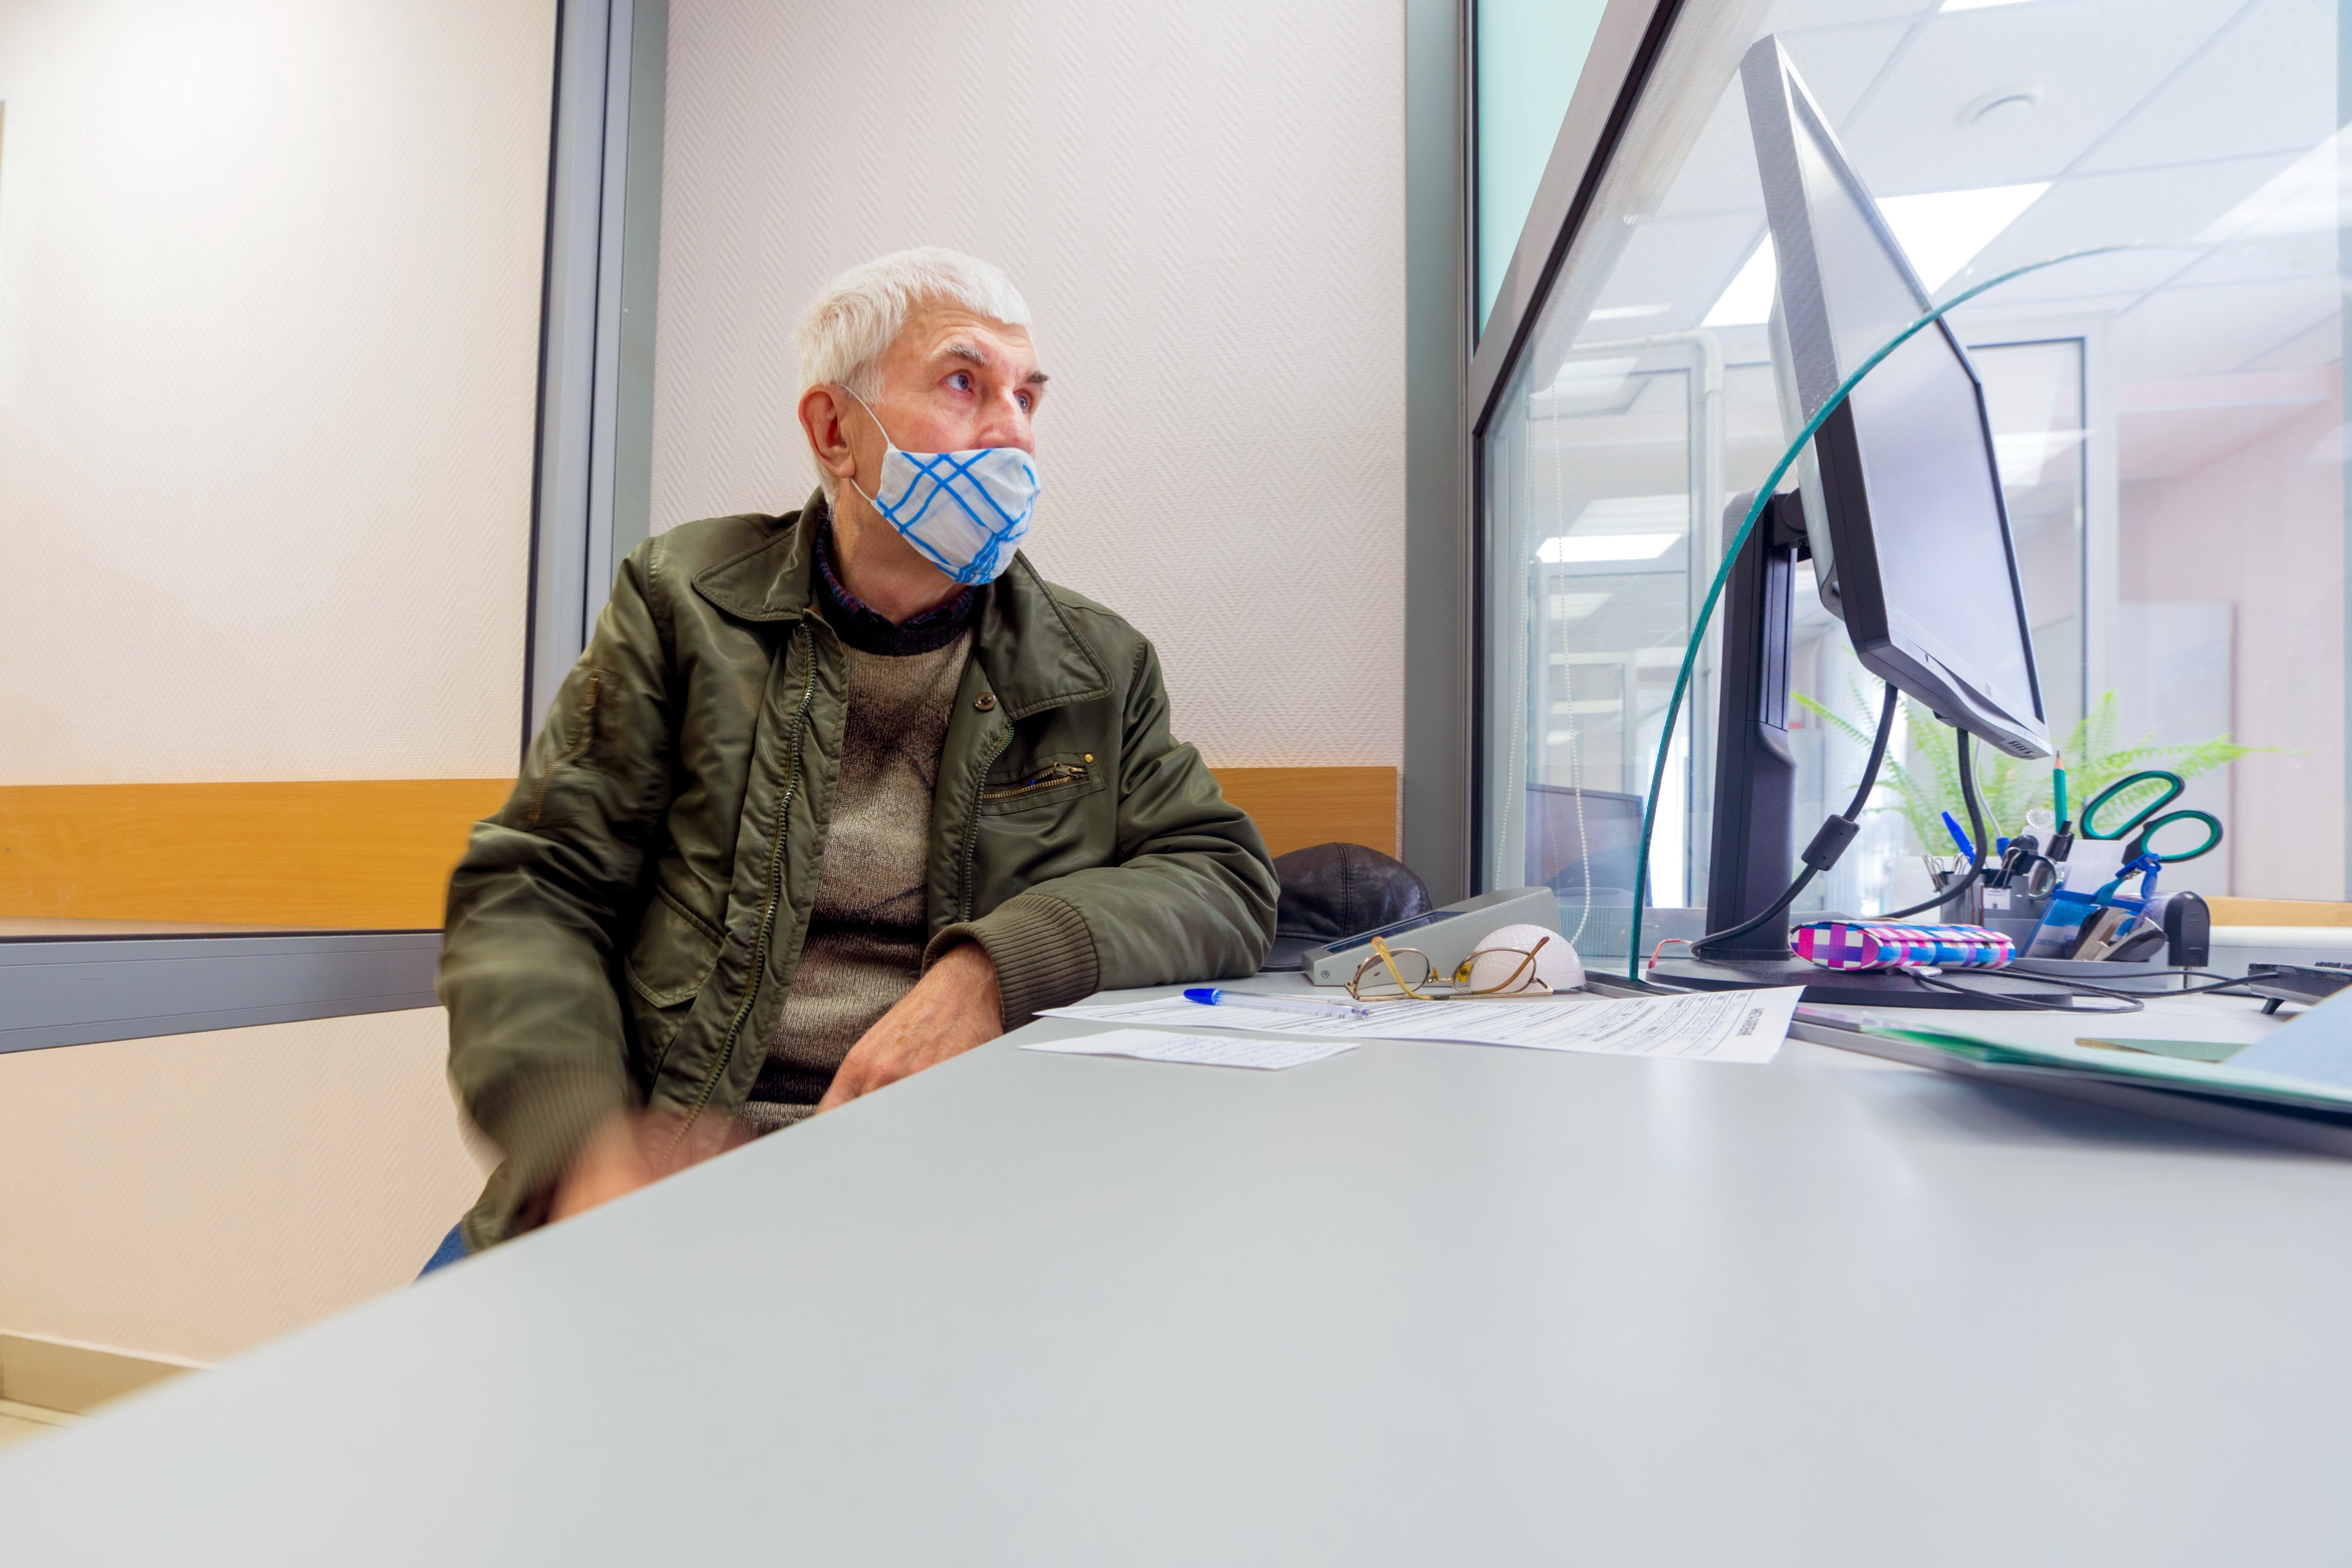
x: 2278, y: 911
x: 377, y: 852
x: 351, y: 853
x: 1296, y: 807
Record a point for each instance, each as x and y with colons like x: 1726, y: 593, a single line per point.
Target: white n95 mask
x: 967, y: 511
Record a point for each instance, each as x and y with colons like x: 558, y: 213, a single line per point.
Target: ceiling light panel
x: 1575, y: 606
x: 2021, y: 455
x: 1636, y: 514
x: 1942, y: 231
x: 1572, y: 548
x: 1747, y: 302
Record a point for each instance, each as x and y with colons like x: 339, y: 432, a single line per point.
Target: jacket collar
x: 1033, y: 656
x: 769, y: 581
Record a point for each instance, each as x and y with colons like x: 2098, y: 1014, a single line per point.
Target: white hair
x: 855, y: 319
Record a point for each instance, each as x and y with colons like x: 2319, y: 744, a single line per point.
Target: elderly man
x: 831, y: 796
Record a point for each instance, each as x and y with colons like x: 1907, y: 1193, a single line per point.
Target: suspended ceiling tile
x: 2244, y: 389
x: 2267, y: 84
x: 2091, y: 62
x: 1683, y: 262
x: 1719, y: 175
x: 1837, y: 66
x: 2151, y: 205
x: 2317, y: 345
x: 2209, y: 331
x: 1794, y: 15
x: 2258, y: 258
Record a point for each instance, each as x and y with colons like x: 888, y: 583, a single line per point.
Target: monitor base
x: 1849, y: 987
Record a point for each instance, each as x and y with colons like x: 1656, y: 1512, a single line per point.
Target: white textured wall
x: 1204, y: 205
x: 198, y: 1193
x: 269, y: 331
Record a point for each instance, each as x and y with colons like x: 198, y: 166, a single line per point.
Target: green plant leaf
x: 1925, y: 783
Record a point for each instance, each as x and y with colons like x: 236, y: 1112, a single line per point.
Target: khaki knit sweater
x: 865, y: 941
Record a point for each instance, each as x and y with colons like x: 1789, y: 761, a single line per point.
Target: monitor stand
x: 1753, y: 849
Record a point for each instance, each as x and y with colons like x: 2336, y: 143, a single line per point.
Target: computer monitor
x: 1910, y: 539
x: 1582, y: 843
x: 1901, y: 516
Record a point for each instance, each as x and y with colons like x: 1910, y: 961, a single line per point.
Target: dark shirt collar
x: 867, y: 629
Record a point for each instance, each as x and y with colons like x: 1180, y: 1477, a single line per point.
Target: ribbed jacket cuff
x: 1042, y: 950
x: 542, y: 1118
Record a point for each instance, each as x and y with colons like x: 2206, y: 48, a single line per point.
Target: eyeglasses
x: 1398, y: 974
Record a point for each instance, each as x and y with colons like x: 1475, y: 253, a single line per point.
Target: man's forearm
x: 1040, y: 949
x: 953, y: 1006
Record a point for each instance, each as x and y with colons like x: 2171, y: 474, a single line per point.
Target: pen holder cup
x: 2009, y: 911
x: 2060, y: 928
x: 1966, y: 910
x: 2019, y: 930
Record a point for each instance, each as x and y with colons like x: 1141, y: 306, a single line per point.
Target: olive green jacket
x: 624, y: 929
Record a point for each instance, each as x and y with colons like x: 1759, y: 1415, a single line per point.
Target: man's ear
x: 821, y: 420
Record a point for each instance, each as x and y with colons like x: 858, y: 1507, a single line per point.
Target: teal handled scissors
x: 2142, y: 825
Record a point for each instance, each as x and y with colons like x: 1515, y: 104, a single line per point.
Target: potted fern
x: 2008, y: 787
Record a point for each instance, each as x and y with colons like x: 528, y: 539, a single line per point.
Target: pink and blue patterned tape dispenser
x: 1838, y: 944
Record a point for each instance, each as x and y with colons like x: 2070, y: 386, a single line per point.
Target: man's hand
x: 609, y: 1164
x: 631, y: 1149
x: 952, y: 1009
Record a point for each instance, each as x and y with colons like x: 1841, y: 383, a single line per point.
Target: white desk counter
x: 1414, y: 1305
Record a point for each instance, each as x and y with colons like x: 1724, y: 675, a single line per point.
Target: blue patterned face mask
x: 967, y: 511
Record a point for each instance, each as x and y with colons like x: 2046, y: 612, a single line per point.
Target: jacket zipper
x: 972, y: 826
x: 767, y: 918
x: 1059, y: 774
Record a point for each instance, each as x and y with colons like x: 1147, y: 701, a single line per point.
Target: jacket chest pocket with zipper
x: 1041, y: 783
x: 1046, y: 808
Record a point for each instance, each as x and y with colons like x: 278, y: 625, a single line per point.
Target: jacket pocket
x: 1045, y: 781
x: 673, y: 955
x: 571, y: 737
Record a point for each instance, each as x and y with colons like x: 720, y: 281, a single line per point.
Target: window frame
x: 1632, y: 35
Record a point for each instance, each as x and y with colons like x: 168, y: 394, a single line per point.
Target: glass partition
x: 2167, y: 419
x: 1527, y: 57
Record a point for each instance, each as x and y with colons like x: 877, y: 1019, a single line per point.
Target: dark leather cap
x: 1331, y: 891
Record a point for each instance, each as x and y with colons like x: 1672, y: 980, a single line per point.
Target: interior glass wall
x: 1528, y: 53
x: 2167, y: 417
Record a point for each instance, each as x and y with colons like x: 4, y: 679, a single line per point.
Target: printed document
x: 1201, y: 1050
x: 1714, y: 1025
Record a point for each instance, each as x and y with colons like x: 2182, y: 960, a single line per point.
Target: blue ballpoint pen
x: 1967, y: 848
x: 1210, y: 996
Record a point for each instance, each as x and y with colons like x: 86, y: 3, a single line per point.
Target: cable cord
x: 1584, y: 853
x: 1764, y: 494
x: 1829, y: 843
x: 1967, y: 783
x: 2065, y: 1003
x: 2222, y: 985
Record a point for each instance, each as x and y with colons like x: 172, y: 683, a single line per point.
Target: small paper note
x: 1715, y: 1026
x: 1150, y: 1045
